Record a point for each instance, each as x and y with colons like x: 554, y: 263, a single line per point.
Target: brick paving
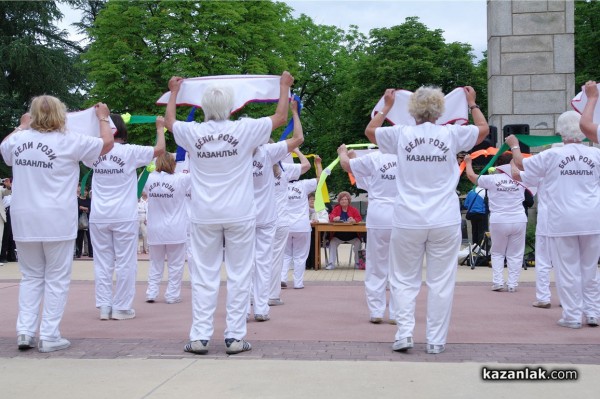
x: 327, y: 321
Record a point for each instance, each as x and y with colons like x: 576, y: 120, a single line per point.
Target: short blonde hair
x: 426, y: 104
x: 48, y: 114
x: 165, y: 163
x: 343, y: 194
x: 567, y: 126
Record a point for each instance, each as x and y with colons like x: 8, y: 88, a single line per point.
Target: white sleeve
x: 387, y: 139
x: 486, y: 181
x: 362, y: 167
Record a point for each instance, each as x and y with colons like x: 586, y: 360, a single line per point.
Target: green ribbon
x: 319, y: 202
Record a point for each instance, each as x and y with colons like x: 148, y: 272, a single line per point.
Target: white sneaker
x: 199, y: 347
x: 591, y: 321
x: 123, y: 314
x: 52, y: 346
x: 330, y: 266
x: 435, y: 349
x: 25, y: 341
x: 498, y: 287
x: 173, y: 301
x: 275, y: 302
x: 402, y: 345
x: 105, y: 312
x: 234, y: 346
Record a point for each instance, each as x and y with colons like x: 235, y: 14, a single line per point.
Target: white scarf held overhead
x: 246, y: 88
x: 580, y: 100
x: 86, y: 122
x: 456, y: 109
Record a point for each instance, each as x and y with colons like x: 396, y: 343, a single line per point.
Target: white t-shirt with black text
x: 263, y: 160
x: 298, y: 204
x: 505, y: 198
x: 45, y: 175
x: 114, y: 183
x: 289, y: 172
x: 572, y: 188
x: 427, y: 171
x: 379, y: 172
x: 220, y: 154
x: 167, y: 208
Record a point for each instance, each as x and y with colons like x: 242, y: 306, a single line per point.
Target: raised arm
x: 160, y: 146
x: 471, y: 175
x: 304, y: 164
x: 586, y: 123
x: 388, y: 101
x: 23, y: 125
x: 106, y: 134
x: 281, y: 112
x: 170, y: 113
x: 478, y: 118
x: 298, y: 136
x: 517, y: 156
x: 344, y: 158
x: 319, y: 166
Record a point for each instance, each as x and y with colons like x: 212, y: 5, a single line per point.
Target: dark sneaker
x: 199, y: 347
x: 283, y: 284
x: 236, y: 346
x: 25, y: 341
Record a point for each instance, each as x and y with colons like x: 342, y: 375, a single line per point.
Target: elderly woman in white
x: 570, y: 175
x: 45, y: 159
x: 426, y: 220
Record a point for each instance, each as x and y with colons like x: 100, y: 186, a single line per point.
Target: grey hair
x: 217, y: 103
x: 426, y: 104
x: 567, y: 126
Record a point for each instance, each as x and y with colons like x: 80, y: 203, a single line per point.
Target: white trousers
x: 335, y: 242
x: 543, y: 265
x: 115, y: 252
x: 408, y: 247
x: 188, y: 253
x: 279, y: 242
x: 263, y: 259
x: 175, y: 255
x: 46, y: 274
x: 296, y: 252
x: 508, y: 241
x: 376, y: 272
x: 143, y: 232
x: 207, y: 251
x: 575, y: 261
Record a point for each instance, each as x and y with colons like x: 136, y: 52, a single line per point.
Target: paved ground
x: 319, y: 343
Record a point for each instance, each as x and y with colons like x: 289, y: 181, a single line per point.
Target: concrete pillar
x: 531, y: 63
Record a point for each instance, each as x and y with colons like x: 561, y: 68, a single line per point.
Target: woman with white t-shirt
x: 143, y: 219
x: 263, y: 172
x: 223, y: 206
x: 45, y: 159
x: 426, y: 220
x: 114, y: 220
x: 283, y: 175
x: 508, y: 221
x: 570, y: 176
x: 378, y: 172
x: 167, y: 222
x: 298, y: 241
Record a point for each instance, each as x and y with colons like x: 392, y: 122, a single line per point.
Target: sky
x: 462, y: 21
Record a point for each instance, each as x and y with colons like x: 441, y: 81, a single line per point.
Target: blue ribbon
x: 290, y: 126
x: 180, y: 153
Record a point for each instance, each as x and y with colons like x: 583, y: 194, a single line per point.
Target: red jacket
x: 352, y: 213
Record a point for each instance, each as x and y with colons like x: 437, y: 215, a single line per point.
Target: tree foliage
x: 587, y: 41
x: 35, y: 58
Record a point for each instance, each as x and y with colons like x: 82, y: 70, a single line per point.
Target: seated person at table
x: 343, y: 212
x: 315, y: 217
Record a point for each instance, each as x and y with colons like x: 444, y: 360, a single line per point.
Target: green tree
x: 137, y: 46
x: 587, y: 41
x: 35, y: 58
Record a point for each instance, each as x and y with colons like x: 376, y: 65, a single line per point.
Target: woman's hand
x: 160, y: 124
x: 336, y: 219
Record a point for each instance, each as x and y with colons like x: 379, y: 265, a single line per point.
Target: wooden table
x: 326, y: 227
